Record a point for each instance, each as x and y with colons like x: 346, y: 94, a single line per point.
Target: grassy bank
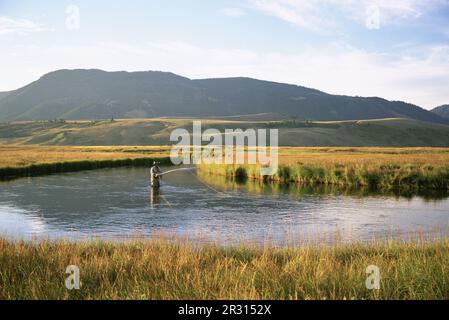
x: 298, y: 191
x: 377, y: 168
x: 20, y: 161
x: 72, y: 166
x: 159, y: 269
x: 387, y: 176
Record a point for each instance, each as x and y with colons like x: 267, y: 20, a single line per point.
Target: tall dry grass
x: 162, y: 269
x: 21, y: 156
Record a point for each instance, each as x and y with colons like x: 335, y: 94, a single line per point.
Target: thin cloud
x: 12, y: 26
x: 302, y: 13
x: 316, y: 14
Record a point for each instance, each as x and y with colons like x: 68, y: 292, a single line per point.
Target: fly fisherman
x: 155, y: 175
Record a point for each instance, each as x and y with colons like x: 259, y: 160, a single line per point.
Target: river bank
x: 387, y: 176
x: 25, y: 161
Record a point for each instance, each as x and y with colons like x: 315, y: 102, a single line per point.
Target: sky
x: 395, y: 49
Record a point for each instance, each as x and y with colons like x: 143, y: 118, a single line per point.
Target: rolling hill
x: 442, y: 111
x: 96, y: 94
x: 382, y: 132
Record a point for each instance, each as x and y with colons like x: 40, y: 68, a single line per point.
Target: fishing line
x: 208, y: 186
x: 165, y: 199
x: 191, y: 168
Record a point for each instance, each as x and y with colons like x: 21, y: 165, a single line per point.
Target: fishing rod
x: 181, y: 169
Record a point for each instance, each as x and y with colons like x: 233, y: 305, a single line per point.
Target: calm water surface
x: 118, y: 203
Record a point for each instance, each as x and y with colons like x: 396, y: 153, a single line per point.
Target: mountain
x: 96, y: 94
x: 3, y: 94
x: 442, y: 111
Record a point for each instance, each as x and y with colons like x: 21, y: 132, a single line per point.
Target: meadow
x: 163, y: 268
x: 156, y: 132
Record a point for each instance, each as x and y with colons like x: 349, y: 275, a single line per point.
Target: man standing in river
x: 155, y: 175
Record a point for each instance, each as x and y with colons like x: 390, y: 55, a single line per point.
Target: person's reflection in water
x: 154, y: 197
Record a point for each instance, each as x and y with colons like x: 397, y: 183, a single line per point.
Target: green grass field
x: 163, y: 269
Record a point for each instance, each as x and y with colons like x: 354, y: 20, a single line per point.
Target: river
x: 116, y: 203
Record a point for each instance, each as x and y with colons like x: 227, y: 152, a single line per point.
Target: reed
x: 72, y: 166
x: 375, y: 176
x: 297, y: 190
x: 161, y: 268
